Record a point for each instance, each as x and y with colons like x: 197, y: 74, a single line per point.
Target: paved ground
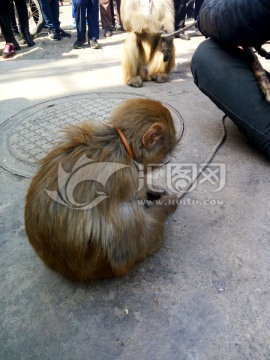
x: 204, y: 296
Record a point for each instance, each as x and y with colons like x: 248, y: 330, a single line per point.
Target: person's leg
x: 73, y: 25
x: 92, y: 18
x: 50, y: 13
x: 47, y: 13
x: 198, y: 4
x: 5, y: 25
x: 14, y: 24
x: 112, y: 13
x: 106, y: 16
x: 16, y: 35
x: 118, y: 14
x: 55, y: 13
x: 56, y: 16
x: 23, y: 21
x: 80, y: 7
x: 190, y: 9
x: 225, y: 76
x: 180, y: 12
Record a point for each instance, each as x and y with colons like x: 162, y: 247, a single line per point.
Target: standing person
x: 22, y: 12
x: 198, y: 4
x: 91, y: 7
x: 118, y: 24
x: 106, y: 16
x: 108, y: 21
x: 190, y: 9
x: 5, y: 23
x: 50, y: 12
x: 180, y: 8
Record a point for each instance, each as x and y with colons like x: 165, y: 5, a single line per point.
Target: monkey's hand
x: 166, y: 48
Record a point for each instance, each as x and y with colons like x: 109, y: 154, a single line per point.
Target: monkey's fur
x: 146, y: 55
x: 110, y: 238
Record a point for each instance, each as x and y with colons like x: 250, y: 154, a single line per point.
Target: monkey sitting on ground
x: 83, y: 214
x: 146, y: 55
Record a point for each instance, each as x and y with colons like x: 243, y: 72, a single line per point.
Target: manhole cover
x: 27, y: 136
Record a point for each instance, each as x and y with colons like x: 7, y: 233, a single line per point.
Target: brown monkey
x: 83, y: 214
x: 146, y: 55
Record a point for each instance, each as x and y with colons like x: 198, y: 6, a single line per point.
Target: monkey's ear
x: 152, y: 136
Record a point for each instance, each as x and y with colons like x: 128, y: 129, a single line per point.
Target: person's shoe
x: 107, y: 33
x: 198, y: 33
x: 8, y: 51
x: 19, y: 39
x: 15, y: 43
x: 184, y: 36
x: 27, y: 37
x: 118, y: 27
x: 73, y: 25
x: 78, y: 44
x: 63, y: 33
x: 193, y: 28
x: 54, y: 35
x: 94, y: 43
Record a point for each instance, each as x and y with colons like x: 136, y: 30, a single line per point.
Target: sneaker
x: 94, y: 44
x: 78, y: 44
x: 63, y: 33
x: 107, y: 33
x: 73, y: 25
x: 184, y: 36
x: 198, y: 33
x: 8, y: 51
x: 54, y: 34
x: 118, y: 27
x: 19, y: 39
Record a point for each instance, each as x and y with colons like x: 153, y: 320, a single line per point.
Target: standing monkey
x: 146, y: 55
x: 106, y: 229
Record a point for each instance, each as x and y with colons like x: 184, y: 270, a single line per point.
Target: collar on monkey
x: 125, y: 142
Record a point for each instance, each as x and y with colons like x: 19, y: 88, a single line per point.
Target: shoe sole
x: 8, y: 56
x: 78, y: 47
x: 96, y: 46
x: 54, y: 39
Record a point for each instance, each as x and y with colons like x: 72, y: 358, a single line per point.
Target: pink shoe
x: 9, y: 51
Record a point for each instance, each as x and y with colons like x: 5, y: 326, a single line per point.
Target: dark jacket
x: 236, y: 22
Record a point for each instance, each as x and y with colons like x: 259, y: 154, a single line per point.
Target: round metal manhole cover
x: 27, y: 136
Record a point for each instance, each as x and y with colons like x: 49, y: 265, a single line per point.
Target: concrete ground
x: 204, y: 295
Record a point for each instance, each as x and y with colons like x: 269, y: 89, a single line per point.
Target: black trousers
x: 5, y: 20
x: 180, y: 10
x: 225, y: 76
x: 198, y: 4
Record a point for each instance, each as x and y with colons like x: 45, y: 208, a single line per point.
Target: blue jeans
x: 225, y: 76
x: 50, y: 12
x: 91, y: 7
